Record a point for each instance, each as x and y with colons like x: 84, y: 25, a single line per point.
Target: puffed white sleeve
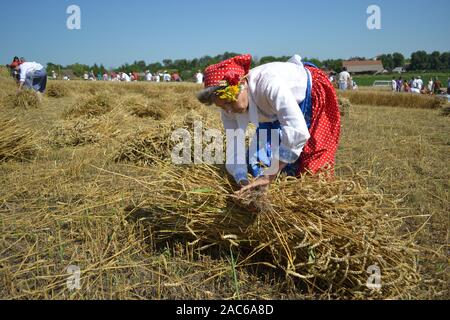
x: 294, y: 131
x: 236, y: 163
x: 23, y: 74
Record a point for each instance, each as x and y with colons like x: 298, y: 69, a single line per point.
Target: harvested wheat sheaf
x: 79, y: 132
x: 91, y: 106
x: 146, y: 146
x: 57, y: 90
x: 323, y: 235
x: 142, y: 107
x: 24, y: 99
x: 16, y: 141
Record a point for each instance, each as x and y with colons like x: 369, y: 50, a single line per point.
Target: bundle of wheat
x: 142, y: 107
x: 93, y: 105
x: 24, y: 99
x: 16, y: 141
x: 324, y: 235
x: 57, y: 90
x: 79, y: 132
x: 147, y: 145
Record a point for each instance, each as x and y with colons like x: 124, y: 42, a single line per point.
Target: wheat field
x: 86, y: 180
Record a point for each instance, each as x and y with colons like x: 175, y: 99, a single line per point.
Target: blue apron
x: 263, y: 156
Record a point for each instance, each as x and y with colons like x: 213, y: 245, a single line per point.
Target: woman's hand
x: 263, y: 181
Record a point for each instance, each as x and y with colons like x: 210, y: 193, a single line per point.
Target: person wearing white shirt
x: 166, y: 77
x: 344, y: 79
x: 394, y: 85
x: 32, y: 75
x: 125, y: 77
x: 430, y: 85
x: 199, y: 77
x: 415, y: 86
x: 291, y: 98
x: 419, y: 83
x: 148, y: 76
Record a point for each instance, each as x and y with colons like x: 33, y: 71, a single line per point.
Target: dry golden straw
x: 16, y: 141
x: 323, y: 235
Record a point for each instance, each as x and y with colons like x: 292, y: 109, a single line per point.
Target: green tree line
x: 419, y: 61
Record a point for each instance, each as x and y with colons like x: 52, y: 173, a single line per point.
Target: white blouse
x: 275, y: 92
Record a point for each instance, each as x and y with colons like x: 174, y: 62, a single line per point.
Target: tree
x: 314, y: 61
x: 53, y: 67
x: 445, y: 60
x: 335, y: 65
x: 78, y: 69
x: 155, y: 67
x: 419, y: 61
x: 388, y: 61
x: 167, y: 63
x: 398, y: 60
x: 434, y: 61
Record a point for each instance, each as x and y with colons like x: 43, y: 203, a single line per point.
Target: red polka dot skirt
x: 320, y: 150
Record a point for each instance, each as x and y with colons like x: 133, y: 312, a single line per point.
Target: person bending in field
x: 294, y: 98
x: 14, y: 73
x: 32, y: 75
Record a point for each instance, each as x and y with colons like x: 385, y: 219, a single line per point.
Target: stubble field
x: 86, y: 180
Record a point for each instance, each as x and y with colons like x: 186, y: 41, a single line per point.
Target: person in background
x: 148, y: 75
x: 105, y: 76
x: 86, y: 76
x: 199, y: 77
x: 344, y: 79
x: 166, y: 76
x: 125, y: 77
x: 437, y: 86
x: 14, y: 73
x: 411, y: 83
x: 16, y: 61
x: 53, y: 75
x: 430, y: 85
x: 399, y: 84
x: 176, y: 77
x: 394, y: 85
x: 32, y: 75
x: 136, y: 76
x: 331, y: 78
x: 415, y: 86
x: 419, y: 83
x: 406, y: 87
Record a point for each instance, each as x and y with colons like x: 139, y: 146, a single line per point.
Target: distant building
x: 364, y: 66
x: 68, y: 73
x: 399, y: 70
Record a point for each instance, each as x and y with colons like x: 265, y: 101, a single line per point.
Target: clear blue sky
x: 116, y: 31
